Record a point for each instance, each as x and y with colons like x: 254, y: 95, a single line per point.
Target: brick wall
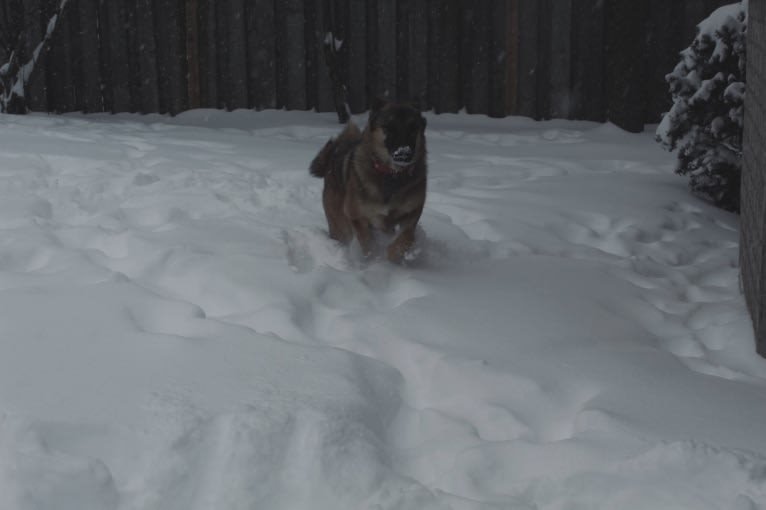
x: 753, y: 219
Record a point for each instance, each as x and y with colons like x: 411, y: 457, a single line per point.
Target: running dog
x: 376, y: 179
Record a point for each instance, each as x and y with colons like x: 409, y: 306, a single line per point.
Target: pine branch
x: 17, y: 76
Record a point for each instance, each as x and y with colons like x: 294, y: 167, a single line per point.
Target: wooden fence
x: 579, y: 59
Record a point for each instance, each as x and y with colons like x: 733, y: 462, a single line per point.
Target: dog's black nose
x: 402, y: 155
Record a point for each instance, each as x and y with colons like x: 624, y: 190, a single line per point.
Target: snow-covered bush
x: 705, y: 121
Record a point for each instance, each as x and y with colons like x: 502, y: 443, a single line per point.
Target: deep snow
x: 178, y: 332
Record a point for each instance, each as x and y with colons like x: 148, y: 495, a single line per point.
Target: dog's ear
x: 418, y: 102
x: 378, y: 103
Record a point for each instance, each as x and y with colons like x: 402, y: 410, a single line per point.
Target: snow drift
x: 178, y: 332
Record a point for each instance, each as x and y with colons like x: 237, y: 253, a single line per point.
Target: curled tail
x: 323, y: 162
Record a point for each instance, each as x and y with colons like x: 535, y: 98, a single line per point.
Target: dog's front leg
x: 363, y: 235
x: 403, y: 241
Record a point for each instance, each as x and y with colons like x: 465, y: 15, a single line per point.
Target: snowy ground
x: 178, y: 333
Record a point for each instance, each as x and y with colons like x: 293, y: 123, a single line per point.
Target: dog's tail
x: 323, y: 162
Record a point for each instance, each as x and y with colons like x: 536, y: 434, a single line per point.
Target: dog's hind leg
x: 339, y: 228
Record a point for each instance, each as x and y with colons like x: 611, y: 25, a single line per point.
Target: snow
x: 178, y: 332
x: 727, y: 16
x: 329, y: 39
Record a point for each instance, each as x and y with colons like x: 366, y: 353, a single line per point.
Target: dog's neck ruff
x: 384, y: 169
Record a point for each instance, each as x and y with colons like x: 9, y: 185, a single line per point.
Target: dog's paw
x: 413, y: 254
x: 403, y: 255
x: 395, y: 253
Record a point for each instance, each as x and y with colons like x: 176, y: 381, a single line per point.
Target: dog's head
x: 398, y: 133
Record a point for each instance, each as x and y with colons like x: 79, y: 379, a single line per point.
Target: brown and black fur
x: 376, y: 179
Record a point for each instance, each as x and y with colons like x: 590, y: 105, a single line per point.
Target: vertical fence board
x: 385, y: 41
x: 236, y: 59
x: 59, y: 73
x: 342, y: 24
x: 443, y: 55
x: 208, y: 56
x: 474, y: 61
x: 35, y: 93
x: 403, y: 20
x: 625, y: 63
x: 72, y: 17
x: 221, y: 31
x: 261, y: 54
x: 87, y: 58
x: 296, y: 62
x: 322, y: 88
x: 169, y: 20
x: 544, y: 40
x: 417, y: 42
x: 588, y: 61
x: 694, y: 11
x: 357, y: 56
x: 4, y: 13
x: 134, y: 68
x: 104, y: 56
x: 663, y: 46
x: 313, y: 10
x: 412, y: 51
x: 528, y: 103
x: 503, y: 57
x: 560, y: 59
x: 146, y: 48
x: 117, y: 68
x: 280, y: 55
x: 191, y: 49
x: 291, y: 58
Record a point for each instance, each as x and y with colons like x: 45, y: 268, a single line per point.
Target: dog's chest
x: 384, y: 212
x: 389, y: 185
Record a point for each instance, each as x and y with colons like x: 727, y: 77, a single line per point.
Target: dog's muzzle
x: 403, y: 155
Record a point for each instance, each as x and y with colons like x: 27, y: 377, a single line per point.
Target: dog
x: 376, y: 179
